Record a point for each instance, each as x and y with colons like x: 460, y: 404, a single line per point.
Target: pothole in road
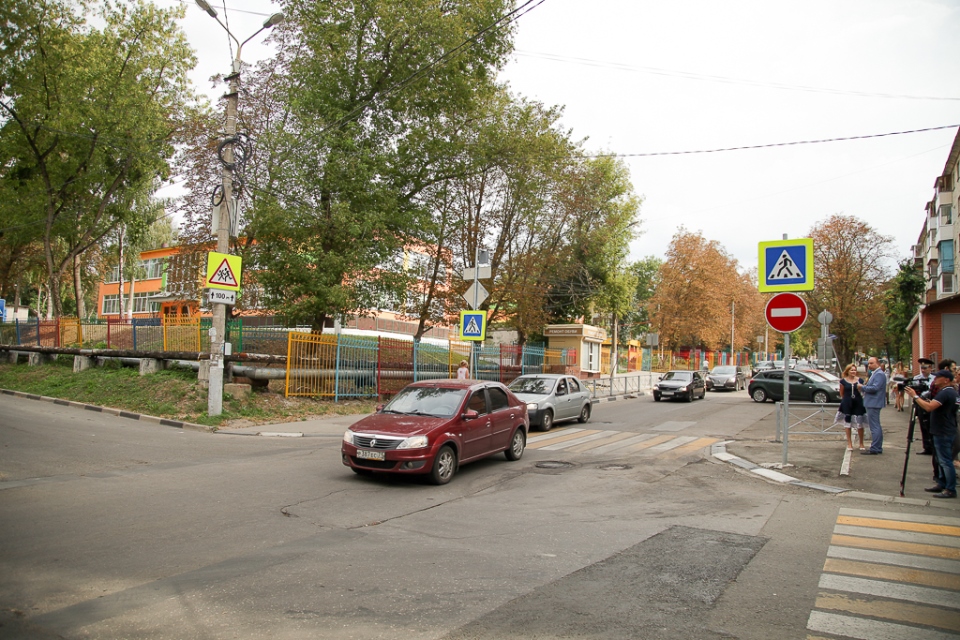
x: 554, y: 464
x: 615, y: 467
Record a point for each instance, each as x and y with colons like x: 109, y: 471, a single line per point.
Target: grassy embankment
x: 173, y: 394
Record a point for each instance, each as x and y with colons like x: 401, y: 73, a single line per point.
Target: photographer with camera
x: 943, y: 429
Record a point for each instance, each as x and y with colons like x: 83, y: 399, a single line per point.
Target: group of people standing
x: 861, y: 403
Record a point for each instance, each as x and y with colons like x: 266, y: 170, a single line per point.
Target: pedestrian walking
x: 851, y: 405
x: 943, y: 427
x: 874, y: 399
x: 897, y: 384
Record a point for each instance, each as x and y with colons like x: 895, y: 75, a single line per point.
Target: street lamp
x: 219, y: 330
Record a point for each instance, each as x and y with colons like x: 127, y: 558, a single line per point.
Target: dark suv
x: 805, y: 386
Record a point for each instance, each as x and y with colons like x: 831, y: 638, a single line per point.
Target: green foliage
x: 903, y: 297
x: 90, y: 108
x: 368, y: 88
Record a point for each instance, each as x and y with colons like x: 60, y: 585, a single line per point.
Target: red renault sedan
x: 433, y: 427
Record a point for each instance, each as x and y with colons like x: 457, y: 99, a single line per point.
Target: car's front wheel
x: 444, y: 465
x: 517, y: 444
x: 759, y: 395
x: 820, y: 397
x: 584, y: 414
x: 656, y: 397
x: 690, y: 395
x: 547, y: 421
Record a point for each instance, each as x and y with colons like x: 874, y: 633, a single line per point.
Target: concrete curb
x: 166, y: 422
x: 629, y: 396
x: 719, y: 451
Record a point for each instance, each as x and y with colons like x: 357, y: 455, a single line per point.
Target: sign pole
x: 786, y: 394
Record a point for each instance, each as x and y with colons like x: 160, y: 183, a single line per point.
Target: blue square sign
x: 473, y: 325
x: 785, y: 265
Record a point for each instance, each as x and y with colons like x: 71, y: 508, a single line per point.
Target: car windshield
x: 427, y: 401
x: 724, y: 371
x: 539, y: 386
x: 678, y: 375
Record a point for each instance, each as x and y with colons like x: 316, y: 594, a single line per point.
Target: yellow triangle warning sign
x: 223, y: 271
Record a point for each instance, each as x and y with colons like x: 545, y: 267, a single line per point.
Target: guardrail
x: 621, y: 384
x: 814, y: 416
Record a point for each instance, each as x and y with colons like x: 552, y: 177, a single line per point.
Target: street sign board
x: 825, y: 317
x: 473, y: 325
x: 480, y: 273
x: 785, y: 265
x: 221, y: 296
x: 786, y: 312
x: 223, y: 271
x: 475, y: 295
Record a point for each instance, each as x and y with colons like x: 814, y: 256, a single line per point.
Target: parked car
x: 805, y: 386
x: 727, y: 377
x: 552, y: 398
x: 686, y: 385
x: 763, y: 365
x: 436, y: 426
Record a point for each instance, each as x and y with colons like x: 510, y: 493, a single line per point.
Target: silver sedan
x: 552, y: 398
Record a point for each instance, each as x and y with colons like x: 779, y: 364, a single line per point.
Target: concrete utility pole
x: 219, y: 330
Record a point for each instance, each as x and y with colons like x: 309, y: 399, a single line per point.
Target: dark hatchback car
x: 434, y: 427
x: 685, y: 385
x: 805, y: 386
x: 726, y: 377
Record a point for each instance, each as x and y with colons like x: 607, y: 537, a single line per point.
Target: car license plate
x: 371, y: 455
x: 666, y: 393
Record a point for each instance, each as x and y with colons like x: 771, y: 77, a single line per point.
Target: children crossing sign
x: 473, y: 325
x: 786, y: 265
x: 223, y: 271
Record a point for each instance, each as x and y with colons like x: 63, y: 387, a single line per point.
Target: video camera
x: 919, y: 386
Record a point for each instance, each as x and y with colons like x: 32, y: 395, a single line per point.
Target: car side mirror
x: 470, y: 415
x: 380, y: 408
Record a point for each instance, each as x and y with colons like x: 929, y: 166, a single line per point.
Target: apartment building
x: 935, y: 329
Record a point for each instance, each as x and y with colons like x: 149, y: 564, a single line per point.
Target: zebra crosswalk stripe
x: 598, y: 442
x: 890, y: 575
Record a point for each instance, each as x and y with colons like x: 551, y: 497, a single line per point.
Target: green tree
x: 89, y: 112
x: 903, y: 297
x: 369, y: 87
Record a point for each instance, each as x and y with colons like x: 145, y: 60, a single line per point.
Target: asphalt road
x: 111, y: 528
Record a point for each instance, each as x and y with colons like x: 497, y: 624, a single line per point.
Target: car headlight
x: 348, y: 437
x: 416, y: 442
x: 532, y: 406
x: 682, y: 389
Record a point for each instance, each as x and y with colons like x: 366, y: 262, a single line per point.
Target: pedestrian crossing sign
x: 473, y: 325
x: 223, y: 271
x: 785, y: 265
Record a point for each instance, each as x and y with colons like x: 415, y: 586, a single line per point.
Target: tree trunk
x: 78, y: 287
x: 50, y: 303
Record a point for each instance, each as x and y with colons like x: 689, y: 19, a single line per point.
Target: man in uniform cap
x: 925, y: 376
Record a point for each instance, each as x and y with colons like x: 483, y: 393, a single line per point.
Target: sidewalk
x: 822, y: 462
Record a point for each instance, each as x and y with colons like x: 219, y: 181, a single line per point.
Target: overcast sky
x: 647, y: 76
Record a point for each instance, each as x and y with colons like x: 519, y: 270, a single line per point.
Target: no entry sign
x: 786, y: 312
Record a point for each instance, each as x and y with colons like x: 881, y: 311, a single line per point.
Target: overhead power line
x: 688, y: 75
x: 766, y: 146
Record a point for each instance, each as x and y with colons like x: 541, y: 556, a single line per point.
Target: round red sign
x: 786, y: 312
